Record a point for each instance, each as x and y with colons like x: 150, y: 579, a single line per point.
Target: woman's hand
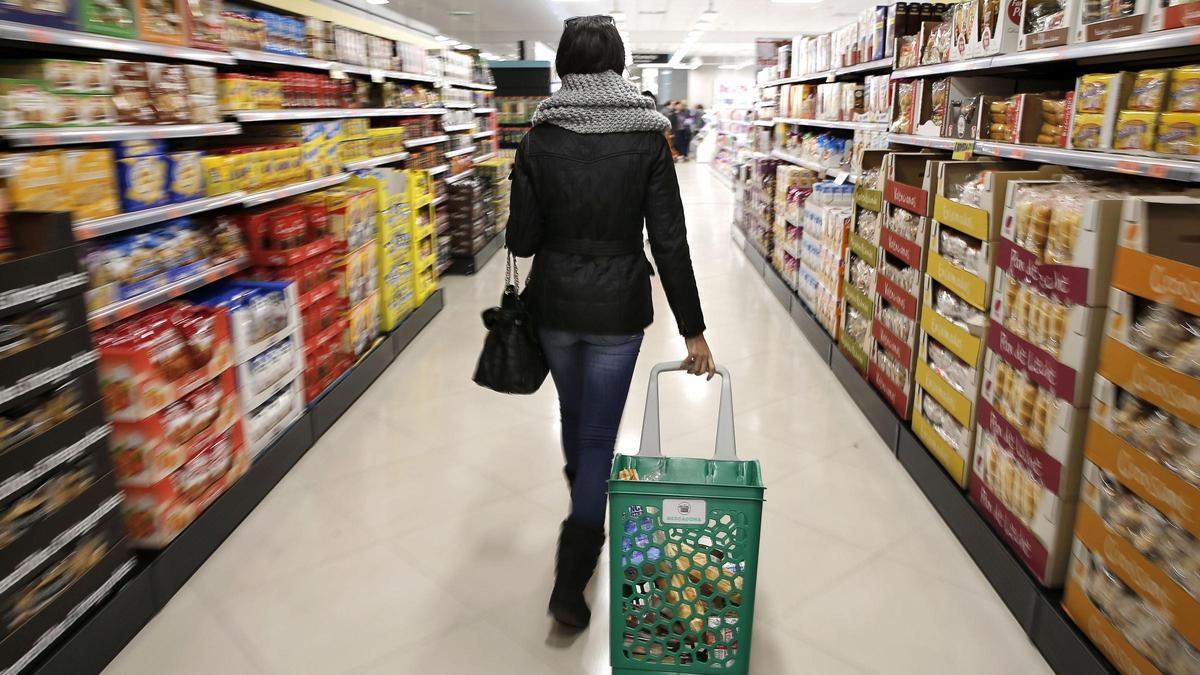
x: 699, y: 360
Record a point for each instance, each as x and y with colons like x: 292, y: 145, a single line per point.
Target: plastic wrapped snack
x: 896, y: 322
x: 892, y: 368
x: 964, y: 251
x: 908, y: 55
x: 867, y: 224
x: 870, y: 179
x: 1159, y: 331
x: 958, y: 436
x: 908, y: 278
x: 957, y: 310
x: 862, y: 275
x: 952, y: 369
x: 1171, y: 441
x: 939, y: 92
x: 904, y: 223
x: 905, y: 95
x: 937, y: 45
x: 1044, y: 15
x: 857, y: 326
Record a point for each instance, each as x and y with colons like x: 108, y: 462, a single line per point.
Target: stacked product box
x: 1050, y: 287
x: 965, y: 229
x: 468, y: 217
x: 424, y: 237
x: 264, y: 325
x: 168, y: 386
x: 827, y: 215
x: 909, y: 186
x: 319, y: 144
x: 793, y: 185
x: 60, y: 531
x: 292, y: 242
x: 862, y: 261
x: 356, y: 141
x: 495, y: 173
x: 352, y: 226
x: 393, y: 242
x: 1133, y: 581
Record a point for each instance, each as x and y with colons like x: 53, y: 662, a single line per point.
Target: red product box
x: 321, y: 313
x: 156, y: 513
x: 156, y: 358
x: 276, y: 228
x: 317, y: 214
x: 149, y: 450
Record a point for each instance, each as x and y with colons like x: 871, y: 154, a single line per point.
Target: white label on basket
x: 684, y: 512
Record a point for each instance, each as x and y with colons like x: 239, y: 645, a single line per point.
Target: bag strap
x: 512, y: 274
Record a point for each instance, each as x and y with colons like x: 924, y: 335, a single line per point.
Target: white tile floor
x: 418, y: 535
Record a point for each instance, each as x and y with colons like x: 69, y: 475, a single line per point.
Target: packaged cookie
x: 1093, y: 92
x: 164, y: 21
x: 36, y: 182
x: 185, y: 175
x: 143, y: 182
x: 131, y: 92
x: 27, y: 103
x: 1136, y: 130
x: 1179, y: 133
x: 1185, y: 90
x: 1087, y: 132
x: 168, y: 86
x: 91, y: 184
x: 114, y: 18
x: 1149, y: 90
x: 205, y: 23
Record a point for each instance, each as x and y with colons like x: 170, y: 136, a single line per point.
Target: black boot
x: 578, y: 549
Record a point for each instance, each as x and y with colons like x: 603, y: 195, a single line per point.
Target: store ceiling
x: 653, y: 25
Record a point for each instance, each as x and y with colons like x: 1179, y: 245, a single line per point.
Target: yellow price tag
x: 963, y: 149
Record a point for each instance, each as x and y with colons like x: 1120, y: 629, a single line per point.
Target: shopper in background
x: 681, y: 127
x: 699, y: 121
x: 594, y: 168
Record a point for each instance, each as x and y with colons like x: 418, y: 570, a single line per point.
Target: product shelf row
x: 425, y: 140
x: 1156, y: 45
x: 1036, y: 609
x: 831, y: 75
x: 832, y: 124
x: 117, y: 311
x: 330, y: 113
x: 100, y: 634
x: 1117, y: 162
x: 372, y: 162
x: 815, y: 166
x: 460, y: 151
x: 29, y: 35
x: 454, y: 128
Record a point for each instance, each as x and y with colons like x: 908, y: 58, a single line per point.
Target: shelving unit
x: 47, y: 136
x: 25, y: 36
x: 98, y: 227
x: 272, y: 194
x: 832, y: 124
x: 463, y: 84
x: 113, y: 313
x: 425, y: 140
x: 377, y: 161
x: 330, y: 113
x: 452, y: 128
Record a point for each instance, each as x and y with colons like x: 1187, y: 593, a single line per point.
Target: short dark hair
x: 590, y: 44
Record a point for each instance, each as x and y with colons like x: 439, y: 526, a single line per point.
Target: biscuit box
x: 92, y: 184
x: 114, y: 18
x: 185, y: 176
x: 165, y: 21
x: 143, y: 182
x: 52, y: 13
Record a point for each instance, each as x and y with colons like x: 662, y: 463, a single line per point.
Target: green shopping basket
x: 683, y: 551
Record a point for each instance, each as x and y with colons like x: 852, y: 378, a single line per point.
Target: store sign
x: 644, y: 59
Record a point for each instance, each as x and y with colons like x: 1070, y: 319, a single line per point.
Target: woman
x: 594, y: 168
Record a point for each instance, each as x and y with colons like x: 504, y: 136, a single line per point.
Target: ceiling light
x: 462, y: 46
x: 443, y: 38
x: 709, y: 15
x: 377, y: 2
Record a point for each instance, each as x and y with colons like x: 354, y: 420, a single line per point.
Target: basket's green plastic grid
x: 683, y: 552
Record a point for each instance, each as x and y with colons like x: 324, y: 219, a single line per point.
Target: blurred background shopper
x: 596, y: 166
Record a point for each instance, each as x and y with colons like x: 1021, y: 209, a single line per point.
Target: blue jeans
x: 592, y: 374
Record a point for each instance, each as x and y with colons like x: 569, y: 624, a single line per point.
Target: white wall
x: 703, y: 80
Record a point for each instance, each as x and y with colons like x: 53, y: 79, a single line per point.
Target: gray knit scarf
x: 600, y: 103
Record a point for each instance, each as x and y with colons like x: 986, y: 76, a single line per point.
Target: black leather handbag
x: 512, y: 361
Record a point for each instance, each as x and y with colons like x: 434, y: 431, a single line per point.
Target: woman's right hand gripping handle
x: 699, y: 360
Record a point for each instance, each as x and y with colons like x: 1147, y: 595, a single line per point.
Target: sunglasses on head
x: 602, y: 17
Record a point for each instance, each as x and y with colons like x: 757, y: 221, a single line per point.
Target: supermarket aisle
x: 417, y: 536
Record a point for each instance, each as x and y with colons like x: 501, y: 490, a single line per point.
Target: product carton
x: 1045, y: 23
x: 1027, y: 514
x: 998, y: 27
x: 1054, y: 455
x: 1099, y: 98
x: 165, y: 21
x: 1098, y: 21
x: 1165, y: 16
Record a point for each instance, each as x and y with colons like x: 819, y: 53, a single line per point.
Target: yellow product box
x: 233, y: 93
x: 1185, y: 89
x: 237, y: 164
x: 331, y: 157
x: 92, y: 183
x: 36, y: 183
x: 418, y: 184
x: 1136, y: 130
x: 1087, y: 132
x: 1179, y: 133
x: 218, y: 175
x: 425, y: 281
x: 353, y: 150
x: 355, y: 127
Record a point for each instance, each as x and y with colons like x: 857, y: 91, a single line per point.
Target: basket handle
x: 651, y: 445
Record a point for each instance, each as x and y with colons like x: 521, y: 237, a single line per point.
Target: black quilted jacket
x: 578, y: 205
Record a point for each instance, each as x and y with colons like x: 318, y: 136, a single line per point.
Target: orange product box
x: 166, y: 21
x: 146, y: 451
x: 156, y: 513
x: 157, y: 357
